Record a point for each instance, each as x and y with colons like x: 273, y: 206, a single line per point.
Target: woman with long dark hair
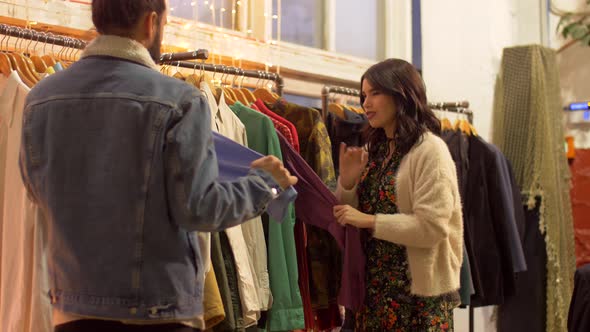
x: 402, y: 188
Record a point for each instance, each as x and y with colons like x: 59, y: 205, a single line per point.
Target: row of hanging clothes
x: 495, y: 223
x: 26, y: 57
x: 32, y: 63
x: 299, y: 288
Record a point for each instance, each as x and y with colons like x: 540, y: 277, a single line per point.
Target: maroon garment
x: 315, y: 206
x: 303, y: 273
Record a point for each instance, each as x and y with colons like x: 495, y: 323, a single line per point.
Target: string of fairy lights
x: 241, y: 17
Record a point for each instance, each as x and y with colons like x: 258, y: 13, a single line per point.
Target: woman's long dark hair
x: 413, y: 117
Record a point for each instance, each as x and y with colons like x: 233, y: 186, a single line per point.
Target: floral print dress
x: 389, y: 304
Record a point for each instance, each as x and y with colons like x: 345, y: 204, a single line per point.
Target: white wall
x: 462, y: 43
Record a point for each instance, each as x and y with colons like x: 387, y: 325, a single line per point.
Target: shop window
x: 301, y: 22
x: 357, y: 26
x: 219, y: 13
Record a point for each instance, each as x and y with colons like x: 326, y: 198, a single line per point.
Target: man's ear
x: 150, y: 24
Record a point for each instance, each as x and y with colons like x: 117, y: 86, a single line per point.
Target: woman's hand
x: 347, y: 215
x: 353, y: 161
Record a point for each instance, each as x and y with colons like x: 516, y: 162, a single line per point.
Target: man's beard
x: 155, y: 47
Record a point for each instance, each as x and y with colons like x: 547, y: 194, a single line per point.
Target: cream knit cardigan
x: 429, y: 223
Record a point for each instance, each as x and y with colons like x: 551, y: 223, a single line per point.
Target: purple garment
x: 315, y: 206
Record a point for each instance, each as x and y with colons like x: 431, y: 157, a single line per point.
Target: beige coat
x: 429, y: 223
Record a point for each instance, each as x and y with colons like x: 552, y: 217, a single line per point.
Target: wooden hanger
x: 49, y: 60
x: 250, y: 97
x: 5, y: 65
x: 212, y: 83
x: 354, y: 109
x: 227, y: 90
x: 23, y: 63
x: 230, y: 98
x: 18, y: 65
x: 194, y: 79
x: 40, y: 65
x: 240, y: 95
x: 22, y: 69
x: 208, y: 79
x: 446, y: 124
x: 230, y: 92
x: 264, y: 93
x: 68, y: 58
x: 31, y: 67
x: 463, y: 126
x: 337, y: 110
x: 177, y: 74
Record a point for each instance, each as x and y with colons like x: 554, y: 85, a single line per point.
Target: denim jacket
x: 121, y: 160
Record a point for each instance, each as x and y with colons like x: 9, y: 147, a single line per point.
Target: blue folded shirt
x: 234, y: 162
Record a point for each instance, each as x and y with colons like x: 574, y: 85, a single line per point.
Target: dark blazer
x: 579, y: 313
x: 494, y: 223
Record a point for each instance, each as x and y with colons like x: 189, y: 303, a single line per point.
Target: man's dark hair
x: 116, y: 16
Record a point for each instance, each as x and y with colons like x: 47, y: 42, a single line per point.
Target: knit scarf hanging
x: 527, y: 127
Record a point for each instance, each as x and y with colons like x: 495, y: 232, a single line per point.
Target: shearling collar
x: 120, y: 47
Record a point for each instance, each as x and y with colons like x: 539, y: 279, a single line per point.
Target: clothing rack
x: 44, y: 37
x: 459, y: 107
x: 449, y: 104
x: 329, y: 89
x: 200, y: 54
x: 225, y: 70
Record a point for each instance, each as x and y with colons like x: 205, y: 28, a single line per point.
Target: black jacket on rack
x: 493, y: 217
x: 526, y: 311
x: 495, y: 223
x: 579, y: 313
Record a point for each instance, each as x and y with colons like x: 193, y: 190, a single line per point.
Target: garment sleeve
x: 506, y: 211
x: 197, y: 200
x: 433, y: 201
x: 344, y: 196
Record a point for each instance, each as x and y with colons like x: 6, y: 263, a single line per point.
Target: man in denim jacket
x: 120, y: 159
